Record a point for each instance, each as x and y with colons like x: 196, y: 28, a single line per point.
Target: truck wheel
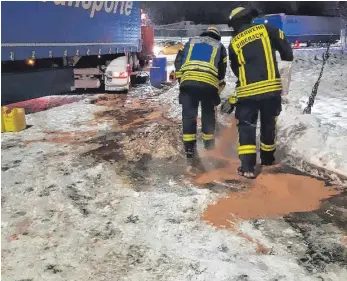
x: 102, y: 87
x: 135, y: 63
x: 142, y: 63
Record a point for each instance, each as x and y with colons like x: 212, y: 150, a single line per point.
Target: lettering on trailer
x: 120, y: 7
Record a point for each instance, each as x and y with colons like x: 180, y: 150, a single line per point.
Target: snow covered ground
x: 321, y: 137
x: 68, y: 215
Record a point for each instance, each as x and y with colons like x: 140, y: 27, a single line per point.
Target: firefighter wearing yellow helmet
x: 258, y: 88
x: 200, y: 68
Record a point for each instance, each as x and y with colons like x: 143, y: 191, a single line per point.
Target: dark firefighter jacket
x: 253, y: 60
x: 201, y: 63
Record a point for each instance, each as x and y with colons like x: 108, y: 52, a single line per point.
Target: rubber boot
x: 267, y: 158
x: 193, y: 161
x: 267, y: 162
x: 190, y: 149
x: 209, y: 144
x: 249, y: 174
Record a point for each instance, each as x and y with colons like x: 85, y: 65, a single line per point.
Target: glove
x: 172, y: 76
x: 178, y: 76
x: 227, y: 107
x: 221, y: 86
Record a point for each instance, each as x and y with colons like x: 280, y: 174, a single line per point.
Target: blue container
x: 155, y: 76
x: 161, y: 63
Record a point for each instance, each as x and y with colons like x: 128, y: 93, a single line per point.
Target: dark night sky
x: 217, y: 12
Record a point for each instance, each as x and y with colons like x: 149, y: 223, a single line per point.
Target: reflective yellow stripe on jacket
x: 201, y: 77
x: 200, y: 71
x: 178, y: 74
x: 258, y: 88
x: 199, y: 66
x: 272, y: 83
x: 281, y: 34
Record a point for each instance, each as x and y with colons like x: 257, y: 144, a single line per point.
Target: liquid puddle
x: 270, y: 195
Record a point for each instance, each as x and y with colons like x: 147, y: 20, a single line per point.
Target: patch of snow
x: 170, y: 97
x: 65, y: 217
x: 73, y: 117
x: 67, y: 118
x: 321, y: 137
x: 125, y: 235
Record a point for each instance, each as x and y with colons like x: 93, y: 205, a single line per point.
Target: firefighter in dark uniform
x: 200, y: 70
x: 258, y: 88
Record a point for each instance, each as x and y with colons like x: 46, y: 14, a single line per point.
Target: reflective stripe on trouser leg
x: 189, y: 137
x: 207, y: 137
x: 190, y: 148
x: 268, y: 133
x: 247, y: 150
x: 208, y: 120
x: 217, y: 128
x: 189, y: 115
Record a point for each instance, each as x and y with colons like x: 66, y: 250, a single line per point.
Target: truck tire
x: 135, y: 62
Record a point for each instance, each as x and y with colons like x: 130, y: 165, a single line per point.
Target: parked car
x: 117, y: 76
x: 168, y: 48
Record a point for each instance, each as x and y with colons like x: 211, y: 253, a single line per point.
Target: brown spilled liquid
x: 268, y: 196
x: 64, y: 137
x: 225, y: 151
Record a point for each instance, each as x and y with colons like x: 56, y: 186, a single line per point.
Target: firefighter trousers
x: 247, y: 116
x: 190, y: 99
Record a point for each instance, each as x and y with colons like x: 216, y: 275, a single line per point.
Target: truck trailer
x: 305, y: 28
x: 50, y: 48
